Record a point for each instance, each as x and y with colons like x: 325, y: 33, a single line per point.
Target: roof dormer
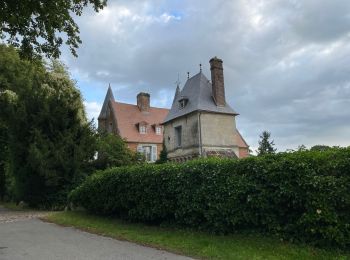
x: 158, y: 128
x: 142, y: 126
x: 183, y: 102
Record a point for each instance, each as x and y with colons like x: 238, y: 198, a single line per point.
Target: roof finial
x: 200, y: 67
x: 109, y: 85
x: 178, y: 80
x: 188, y: 74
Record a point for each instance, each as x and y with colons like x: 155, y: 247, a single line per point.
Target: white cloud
x: 286, y: 63
x: 93, y: 110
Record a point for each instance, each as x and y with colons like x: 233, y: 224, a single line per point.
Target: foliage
x: 2, y: 161
x: 302, y: 148
x: 300, y: 196
x: 49, y: 142
x: 201, y: 245
x: 113, y: 152
x: 265, y: 145
x: 320, y: 147
x: 163, y: 156
x: 36, y: 26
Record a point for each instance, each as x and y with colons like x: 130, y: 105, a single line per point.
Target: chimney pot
x: 217, y: 81
x: 143, y: 101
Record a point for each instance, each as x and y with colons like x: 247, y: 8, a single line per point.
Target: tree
x: 265, y: 145
x: 2, y: 161
x: 113, y: 152
x: 320, y: 148
x: 36, y: 26
x: 163, y: 156
x: 302, y: 148
x: 50, y: 144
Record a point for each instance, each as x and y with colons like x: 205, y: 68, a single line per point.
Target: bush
x: 113, y: 151
x: 300, y: 196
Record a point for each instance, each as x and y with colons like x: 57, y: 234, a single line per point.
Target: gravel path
x: 23, y: 236
x: 8, y: 216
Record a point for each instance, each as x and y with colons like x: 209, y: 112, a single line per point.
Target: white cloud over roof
x: 286, y: 63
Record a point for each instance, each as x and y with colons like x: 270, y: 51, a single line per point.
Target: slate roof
x: 198, y: 91
x: 109, y: 97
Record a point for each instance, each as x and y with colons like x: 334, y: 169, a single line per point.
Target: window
x: 178, y: 136
x: 183, y: 102
x: 143, y: 129
x: 158, y: 130
x: 149, y: 151
x: 110, y: 127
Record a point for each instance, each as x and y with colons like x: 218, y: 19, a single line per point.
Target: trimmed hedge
x: 303, y: 196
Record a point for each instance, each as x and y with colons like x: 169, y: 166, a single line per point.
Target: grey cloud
x: 286, y: 62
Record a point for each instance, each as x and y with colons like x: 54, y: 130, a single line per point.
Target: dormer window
x: 183, y: 102
x: 142, y: 126
x: 157, y: 128
x: 143, y: 129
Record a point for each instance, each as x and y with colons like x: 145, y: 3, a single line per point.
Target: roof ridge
x: 123, y: 103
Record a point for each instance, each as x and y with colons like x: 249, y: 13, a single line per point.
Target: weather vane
x: 200, y: 67
x: 178, y: 80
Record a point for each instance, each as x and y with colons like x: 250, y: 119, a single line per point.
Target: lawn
x: 191, y: 243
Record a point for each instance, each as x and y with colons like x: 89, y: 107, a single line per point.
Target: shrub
x: 300, y: 196
x: 113, y: 151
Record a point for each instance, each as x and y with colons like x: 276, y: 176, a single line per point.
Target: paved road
x: 23, y: 236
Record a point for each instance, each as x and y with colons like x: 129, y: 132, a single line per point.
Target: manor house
x: 200, y: 123
x: 139, y: 125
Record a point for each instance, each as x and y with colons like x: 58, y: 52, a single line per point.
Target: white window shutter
x: 154, y: 153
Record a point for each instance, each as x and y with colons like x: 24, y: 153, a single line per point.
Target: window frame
x: 143, y: 129
x: 153, y: 155
x: 178, y: 136
x: 183, y: 102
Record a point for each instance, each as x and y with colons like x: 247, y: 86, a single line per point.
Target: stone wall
x: 190, y: 136
x: 217, y: 134
x: 218, y: 130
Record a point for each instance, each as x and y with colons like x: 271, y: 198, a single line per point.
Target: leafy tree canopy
x: 320, y: 147
x: 113, y: 152
x: 50, y: 144
x: 38, y: 26
x: 265, y: 145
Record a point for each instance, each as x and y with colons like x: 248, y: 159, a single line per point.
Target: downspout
x: 200, y: 134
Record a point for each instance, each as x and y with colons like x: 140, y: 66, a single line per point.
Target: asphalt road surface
x: 24, y: 236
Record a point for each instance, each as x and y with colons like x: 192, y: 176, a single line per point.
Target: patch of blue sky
x: 178, y: 15
x: 92, y: 91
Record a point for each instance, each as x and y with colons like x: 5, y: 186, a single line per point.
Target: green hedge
x: 303, y: 196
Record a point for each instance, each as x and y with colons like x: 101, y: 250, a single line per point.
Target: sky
x: 286, y: 62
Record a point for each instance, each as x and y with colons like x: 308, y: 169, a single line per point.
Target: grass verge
x: 14, y: 206
x: 191, y: 243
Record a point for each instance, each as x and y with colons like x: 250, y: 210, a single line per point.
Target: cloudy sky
x: 286, y: 62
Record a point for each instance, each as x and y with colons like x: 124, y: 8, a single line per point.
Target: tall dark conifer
x: 265, y: 145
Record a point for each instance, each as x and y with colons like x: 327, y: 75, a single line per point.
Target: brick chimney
x: 217, y: 81
x: 143, y: 101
